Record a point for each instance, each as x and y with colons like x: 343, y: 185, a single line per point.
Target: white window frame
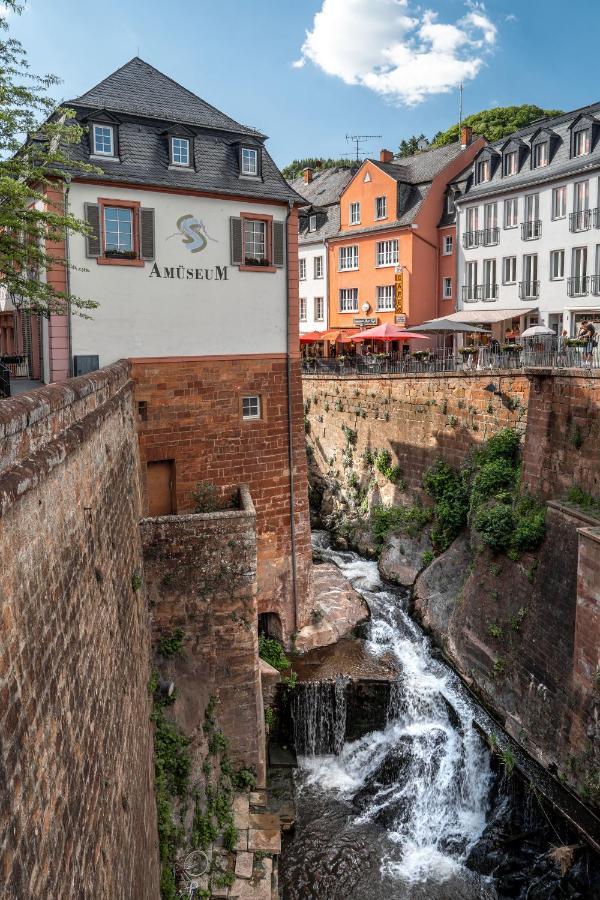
x: 582, y: 147
x: 251, y: 407
x: 119, y: 229
x: 448, y: 245
x: 450, y: 207
x: 312, y: 223
x: 181, y: 143
x: 255, y: 236
x: 559, y: 213
x: 319, y: 311
x: 318, y: 267
x: 447, y: 287
x: 111, y: 131
x: 303, y: 309
x: 386, y: 253
x: 558, y: 255
x: 348, y: 258
x: 512, y: 203
x: 385, y: 298
x: 302, y: 268
x: 472, y: 219
x: 509, y: 270
x: 471, y: 279
x: 354, y: 217
x: 348, y: 296
x: 541, y: 155
x: 483, y: 171
x: 383, y: 201
x: 581, y: 195
x: 249, y: 168
x: 512, y: 156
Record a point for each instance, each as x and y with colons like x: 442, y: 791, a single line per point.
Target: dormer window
x: 581, y: 142
x: 103, y: 140
x: 510, y: 162
x: 540, y: 155
x: 180, y: 151
x: 312, y: 223
x: 483, y: 170
x: 450, y: 205
x: 249, y: 161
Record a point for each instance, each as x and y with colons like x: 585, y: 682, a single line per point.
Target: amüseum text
x: 216, y: 273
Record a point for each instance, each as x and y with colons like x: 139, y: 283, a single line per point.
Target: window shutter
x: 235, y: 228
x: 93, y: 244
x: 278, y: 243
x: 147, y: 250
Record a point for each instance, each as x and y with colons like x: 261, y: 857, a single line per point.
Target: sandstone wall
x: 77, y: 810
x: 193, y: 417
x: 201, y: 577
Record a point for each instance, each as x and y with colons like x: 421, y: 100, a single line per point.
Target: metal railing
x: 472, y: 239
x: 4, y: 381
x: 595, y: 284
x: 578, y: 285
x: 529, y: 290
x: 596, y: 213
x: 491, y: 236
x: 17, y: 365
x: 530, y: 231
x: 471, y: 293
x: 530, y: 353
x: 580, y: 220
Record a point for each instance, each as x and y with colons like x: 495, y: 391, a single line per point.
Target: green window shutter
x: 147, y: 249
x: 237, y: 248
x: 278, y: 243
x: 93, y: 243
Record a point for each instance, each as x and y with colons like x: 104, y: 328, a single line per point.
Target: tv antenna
x: 460, y: 109
x: 359, y: 139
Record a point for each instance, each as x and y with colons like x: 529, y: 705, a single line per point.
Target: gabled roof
x: 139, y: 89
x: 423, y: 166
x: 326, y: 186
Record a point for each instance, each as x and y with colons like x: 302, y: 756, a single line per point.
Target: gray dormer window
x: 511, y: 162
x: 312, y: 223
x: 450, y: 205
x: 541, y: 155
x: 483, y: 171
x: 180, y: 151
x: 249, y: 161
x: 581, y: 142
x: 103, y: 140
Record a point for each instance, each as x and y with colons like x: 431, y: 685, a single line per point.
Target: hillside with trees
x: 294, y: 169
x: 497, y: 122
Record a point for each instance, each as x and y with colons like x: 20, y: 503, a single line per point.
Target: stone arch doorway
x: 269, y: 625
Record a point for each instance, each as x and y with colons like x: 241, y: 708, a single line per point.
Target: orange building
x: 391, y: 255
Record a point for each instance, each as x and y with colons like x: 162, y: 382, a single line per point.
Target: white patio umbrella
x: 537, y: 330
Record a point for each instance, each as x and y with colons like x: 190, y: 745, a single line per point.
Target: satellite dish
x: 423, y: 144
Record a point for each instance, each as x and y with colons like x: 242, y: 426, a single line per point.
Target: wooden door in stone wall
x: 161, y: 487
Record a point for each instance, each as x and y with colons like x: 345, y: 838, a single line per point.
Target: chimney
x: 466, y: 136
x: 386, y: 156
x: 307, y: 174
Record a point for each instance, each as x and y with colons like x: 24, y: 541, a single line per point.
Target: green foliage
x: 495, y: 123
x: 290, y: 680
x: 172, y: 758
x: 204, y: 830
x: 499, y: 667
x: 383, y: 464
x: 230, y: 837
x: 217, y: 743
x: 352, y: 479
x: 427, y: 558
x: 351, y: 435
x: 410, y: 146
x: 294, y: 169
x: 505, y: 444
x: 405, y: 519
x: 448, y: 488
x: 496, y: 525
x: 583, y: 500
x: 244, y: 779
x: 508, y: 760
x: 272, y: 652
x: 136, y: 581
x: 270, y: 718
x: 518, y: 618
x: 27, y: 223
x: 495, y: 631
x: 530, y: 524
x: 170, y: 644
x: 576, y: 437
x: 491, y: 477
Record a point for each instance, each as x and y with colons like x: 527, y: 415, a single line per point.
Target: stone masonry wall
x: 77, y: 810
x: 193, y: 417
x: 201, y: 577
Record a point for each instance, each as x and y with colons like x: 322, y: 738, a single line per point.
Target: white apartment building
x: 529, y: 228
x: 319, y: 220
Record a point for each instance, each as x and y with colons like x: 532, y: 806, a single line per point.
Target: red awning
x: 387, y: 332
x: 310, y: 336
x: 339, y: 336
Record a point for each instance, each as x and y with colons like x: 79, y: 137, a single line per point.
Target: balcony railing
x: 471, y: 293
x: 595, y: 284
x: 491, y: 236
x: 580, y: 220
x: 596, y: 213
x: 530, y: 231
x: 578, y: 285
x: 529, y: 290
x: 472, y: 239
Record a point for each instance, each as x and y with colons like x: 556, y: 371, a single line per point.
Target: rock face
x: 438, y: 587
x: 401, y: 559
x: 337, y: 609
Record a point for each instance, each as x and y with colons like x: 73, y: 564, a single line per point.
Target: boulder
x: 401, y: 558
x: 337, y: 609
x: 437, y: 589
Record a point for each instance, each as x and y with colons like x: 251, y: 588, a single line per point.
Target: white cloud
x: 395, y: 50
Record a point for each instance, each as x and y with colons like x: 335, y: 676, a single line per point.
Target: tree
x: 294, y: 169
x: 495, y: 123
x: 34, y: 163
x: 410, y: 146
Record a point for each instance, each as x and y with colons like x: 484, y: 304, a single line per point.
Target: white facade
x: 536, y: 257
x: 312, y: 262
x: 184, y: 302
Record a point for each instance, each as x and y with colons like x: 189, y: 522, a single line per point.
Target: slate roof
x: 560, y: 165
x: 137, y: 87
x: 146, y: 103
x: 423, y: 166
x: 322, y: 196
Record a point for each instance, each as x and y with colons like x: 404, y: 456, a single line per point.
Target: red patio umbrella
x: 336, y: 336
x: 310, y: 336
x: 387, y: 332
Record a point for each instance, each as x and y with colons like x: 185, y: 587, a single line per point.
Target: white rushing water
x: 435, y: 802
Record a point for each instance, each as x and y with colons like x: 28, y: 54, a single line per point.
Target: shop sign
x: 401, y: 319
x: 363, y: 322
x: 194, y: 237
x: 399, y: 292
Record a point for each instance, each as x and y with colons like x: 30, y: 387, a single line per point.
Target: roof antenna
x: 359, y: 139
x: 460, y: 109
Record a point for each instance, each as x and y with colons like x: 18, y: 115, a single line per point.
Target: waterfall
x: 425, y: 777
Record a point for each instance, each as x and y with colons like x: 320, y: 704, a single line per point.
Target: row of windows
x: 318, y: 309
x: 103, y: 144
x: 386, y: 254
x: 384, y: 299
x: 380, y: 211
x: 581, y: 145
x: 529, y: 267
x: 317, y: 267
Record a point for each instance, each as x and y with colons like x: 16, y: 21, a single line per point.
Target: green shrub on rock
x: 496, y: 525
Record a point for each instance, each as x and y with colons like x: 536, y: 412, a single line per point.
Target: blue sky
x: 387, y: 67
